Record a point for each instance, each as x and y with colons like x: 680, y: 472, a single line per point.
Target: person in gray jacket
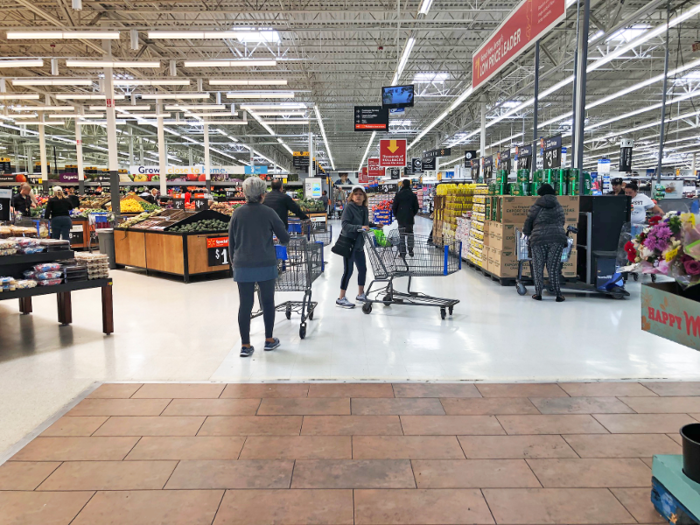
x: 545, y: 227
x: 355, y: 217
x: 254, y: 260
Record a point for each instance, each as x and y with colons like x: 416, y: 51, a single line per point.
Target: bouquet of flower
x: 670, y: 245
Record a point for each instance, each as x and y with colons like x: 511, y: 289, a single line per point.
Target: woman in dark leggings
x: 355, y: 218
x: 254, y: 260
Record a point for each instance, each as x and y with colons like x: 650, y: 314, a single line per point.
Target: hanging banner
x: 428, y: 164
x: 475, y: 164
x: 371, y: 118
x: 374, y: 169
x: 504, y: 160
x: 417, y: 165
x: 626, y: 146
x: 468, y: 157
x: 523, y: 157
x: 395, y: 173
x: 604, y: 166
x: 488, y: 167
x: 362, y: 176
x: 444, y: 152
x: 551, y: 149
x: 527, y: 22
x: 392, y: 153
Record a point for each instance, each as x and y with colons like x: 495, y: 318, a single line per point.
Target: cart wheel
x: 443, y: 313
x: 387, y: 299
x: 451, y: 309
x: 367, y: 308
x: 288, y: 312
x: 653, y: 278
x: 302, y: 331
x: 520, y: 287
x: 618, y: 293
x: 311, y: 314
x: 635, y: 276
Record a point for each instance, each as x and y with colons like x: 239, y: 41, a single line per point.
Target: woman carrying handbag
x: 351, y: 243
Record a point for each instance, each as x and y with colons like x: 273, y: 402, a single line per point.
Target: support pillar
x: 580, y: 109
x: 662, y: 135
x: 312, y: 166
x: 112, y: 152
x: 79, y: 156
x: 537, y: 96
x: 162, y: 150
x: 207, y: 158
x: 42, y: 155
x: 131, y: 147
x: 141, y: 153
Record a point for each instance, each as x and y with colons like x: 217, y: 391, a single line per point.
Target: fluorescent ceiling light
x: 260, y: 94
x: 112, y: 63
x: 278, y: 107
x: 285, y: 122
x: 164, y: 96
x: 323, y: 134
x: 280, y: 113
x: 63, y: 35
x: 178, y: 107
x: 77, y: 115
x: 22, y: 63
x: 261, y: 82
x: 125, y: 113
x: 44, y: 123
x: 42, y: 108
x: 369, y: 145
x: 191, y: 35
x: 404, y: 59
x: 399, y: 122
x: 427, y: 78
x: 14, y: 96
x: 182, y: 82
x: 215, y: 114
x: 266, y: 35
x: 230, y: 63
x: 628, y: 34
x: 425, y: 7
x: 83, y: 96
x: 52, y: 82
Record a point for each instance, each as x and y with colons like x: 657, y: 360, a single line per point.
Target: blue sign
x: 259, y: 170
x: 449, y: 174
x: 395, y: 111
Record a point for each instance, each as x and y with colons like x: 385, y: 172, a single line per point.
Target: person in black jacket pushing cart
x: 405, y: 209
x: 283, y: 204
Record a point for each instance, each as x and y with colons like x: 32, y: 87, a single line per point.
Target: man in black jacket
x: 405, y: 208
x: 283, y: 203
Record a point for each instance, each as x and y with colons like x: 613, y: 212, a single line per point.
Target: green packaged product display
x: 538, y: 176
x: 523, y: 175
x: 562, y: 180
x: 502, y: 176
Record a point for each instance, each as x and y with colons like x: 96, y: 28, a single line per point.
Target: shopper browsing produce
x: 253, y: 258
x: 324, y: 200
x: 545, y: 226
x: 22, y: 202
x: 640, y: 204
x: 355, y: 217
x: 282, y: 203
x: 405, y: 208
x: 74, y: 199
x: 58, y: 211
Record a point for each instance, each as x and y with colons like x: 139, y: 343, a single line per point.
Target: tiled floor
x: 370, y: 454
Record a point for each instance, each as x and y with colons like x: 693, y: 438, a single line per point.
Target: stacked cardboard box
x: 476, y: 247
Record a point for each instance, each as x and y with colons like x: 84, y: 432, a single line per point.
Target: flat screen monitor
x: 397, y: 96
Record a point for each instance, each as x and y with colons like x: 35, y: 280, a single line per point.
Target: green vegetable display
x: 201, y: 226
x: 311, y: 205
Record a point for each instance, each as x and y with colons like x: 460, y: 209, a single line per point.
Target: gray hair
x: 253, y: 189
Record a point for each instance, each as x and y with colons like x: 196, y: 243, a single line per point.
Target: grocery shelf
x: 36, y: 258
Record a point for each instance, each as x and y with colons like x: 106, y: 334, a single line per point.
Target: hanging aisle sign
x: 626, y: 146
x: 504, y: 160
x: 525, y: 25
x: 417, y: 165
x: 468, y: 157
x: 392, y: 153
x: 374, y: 169
x: 523, y: 157
x: 551, y: 149
x: 444, y: 152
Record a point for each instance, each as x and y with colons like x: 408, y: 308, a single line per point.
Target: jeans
x: 358, y: 258
x: 549, y: 254
x: 60, y: 228
x: 406, y: 235
x: 246, y: 292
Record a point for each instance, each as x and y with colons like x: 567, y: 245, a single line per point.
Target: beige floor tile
x: 682, y: 388
x: 212, y: 407
x: 181, y: 507
x: 76, y: 449
x: 75, y: 426
x: 581, y: 405
x: 451, y: 426
x: 251, y: 426
x: 396, y: 406
x: 227, y: 474
x: 515, y: 447
x: 179, y: 390
x: 649, y: 462
x: 591, y: 473
x: 351, y: 426
x: 351, y: 390
x: 304, y: 406
x: 265, y: 390
x: 109, y: 475
x: 41, y: 508
x: 182, y: 448
x: 473, y: 473
x: 605, y: 389
x: 622, y: 445
x: 521, y: 390
x: 20, y: 475
x: 643, y: 423
x: 115, y: 390
x: 488, y: 406
x: 435, y: 390
x: 564, y: 424
x: 119, y: 407
x: 555, y: 506
x: 420, y: 507
x: 663, y: 405
x: 638, y: 503
x: 406, y: 447
x: 286, y: 507
x: 150, y: 426
x: 675, y: 436
x: 353, y: 474
x: 297, y: 447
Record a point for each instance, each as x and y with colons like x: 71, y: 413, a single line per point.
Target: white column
x: 312, y: 167
x: 190, y: 156
x: 207, y: 158
x: 79, y: 155
x: 692, y: 166
x: 42, y: 154
x: 112, y: 153
x: 131, y: 147
x: 141, y: 153
x: 162, y: 151
x: 483, y: 130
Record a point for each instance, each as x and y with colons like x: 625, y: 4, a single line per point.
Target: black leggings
x: 246, y: 292
x: 358, y: 258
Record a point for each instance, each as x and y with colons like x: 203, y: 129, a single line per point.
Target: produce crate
x: 200, y: 216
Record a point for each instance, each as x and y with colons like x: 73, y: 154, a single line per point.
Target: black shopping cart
x: 313, y: 231
x: 391, y: 257
x: 299, y: 264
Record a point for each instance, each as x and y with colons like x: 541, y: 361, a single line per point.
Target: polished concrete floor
x: 343, y: 454
x: 169, y: 331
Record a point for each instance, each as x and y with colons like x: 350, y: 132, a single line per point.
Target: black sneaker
x: 247, y: 351
x: 411, y: 254
x: 271, y: 346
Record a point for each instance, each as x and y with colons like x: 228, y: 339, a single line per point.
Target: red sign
x: 524, y: 26
x: 373, y: 168
x: 392, y: 153
x: 110, y: 103
x: 217, y: 242
x: 364, y: 179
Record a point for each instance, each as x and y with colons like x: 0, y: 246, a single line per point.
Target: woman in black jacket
x: 545, y: 227
x: 58, y: 212
x: 355, y: 217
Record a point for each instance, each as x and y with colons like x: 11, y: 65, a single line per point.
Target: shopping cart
x: 98, y: 221
x: 390, y: 261
x: 320, y: 232
x: 522, y: 253
x: 299, y: 264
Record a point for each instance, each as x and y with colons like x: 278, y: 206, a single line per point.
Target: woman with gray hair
x: 254, y: 260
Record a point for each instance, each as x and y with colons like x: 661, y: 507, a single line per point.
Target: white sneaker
x: 344, y: 303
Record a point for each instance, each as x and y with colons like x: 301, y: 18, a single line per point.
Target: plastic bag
x: 48, y: 267
x: 394, y: 226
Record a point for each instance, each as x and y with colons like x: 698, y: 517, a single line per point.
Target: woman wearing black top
x: 58, y: 211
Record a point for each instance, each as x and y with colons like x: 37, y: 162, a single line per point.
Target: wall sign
x: 371, y: 118
x: 217, y: 251
x: 392, y: 153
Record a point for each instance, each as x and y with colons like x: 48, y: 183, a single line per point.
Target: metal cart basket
x: 403, y: 254
x: 299, y: 264
x: 320, y: 232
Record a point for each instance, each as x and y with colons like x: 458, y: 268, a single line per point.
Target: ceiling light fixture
x: 165, y: 96
x: 404, y: 59
x: 285, y: 122
x: 42, y: 108
x: 22, y: 63
x: 52, y: 82
x: 425, y: 7
x: 84, y: 96
x: 278, y: 107
x: 112, y: 63
x: 260, y: 94
x: 15, y: 96
x: 182, y: 82
x: 63, y: 35
x: 215, y: 114
x: 369, y: 145
x: 323, y: 134
x: 261, y: 82
x: 179, y: 107
x: 44, y: 123
x: 244, y: 62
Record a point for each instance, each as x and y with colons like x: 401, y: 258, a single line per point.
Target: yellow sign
x: 301, y: 153
x: 393, y: 146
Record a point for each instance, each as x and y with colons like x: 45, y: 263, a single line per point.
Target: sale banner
x: 374, y: 169
x: 392, y: 153
x: 525, y: 25
x: 364, y: 179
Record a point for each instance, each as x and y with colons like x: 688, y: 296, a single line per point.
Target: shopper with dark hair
x: 355, y: 217
x: 617, y: 188
x: 545, y: 227
x: 325, y: 200
x: 640, y: 204
x: 405, y: 208
x: 282, y: 203
x: 72, y: 197
x: 254, y: 261
x: 58, y: 212
x: 22, y: 202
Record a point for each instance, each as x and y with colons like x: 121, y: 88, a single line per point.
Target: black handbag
x: 344, y: 246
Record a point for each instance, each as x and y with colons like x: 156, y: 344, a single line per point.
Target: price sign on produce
x: 217, y: 251
x: 201, y: 204
x: 179, y: 204
x: 392, y: 153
